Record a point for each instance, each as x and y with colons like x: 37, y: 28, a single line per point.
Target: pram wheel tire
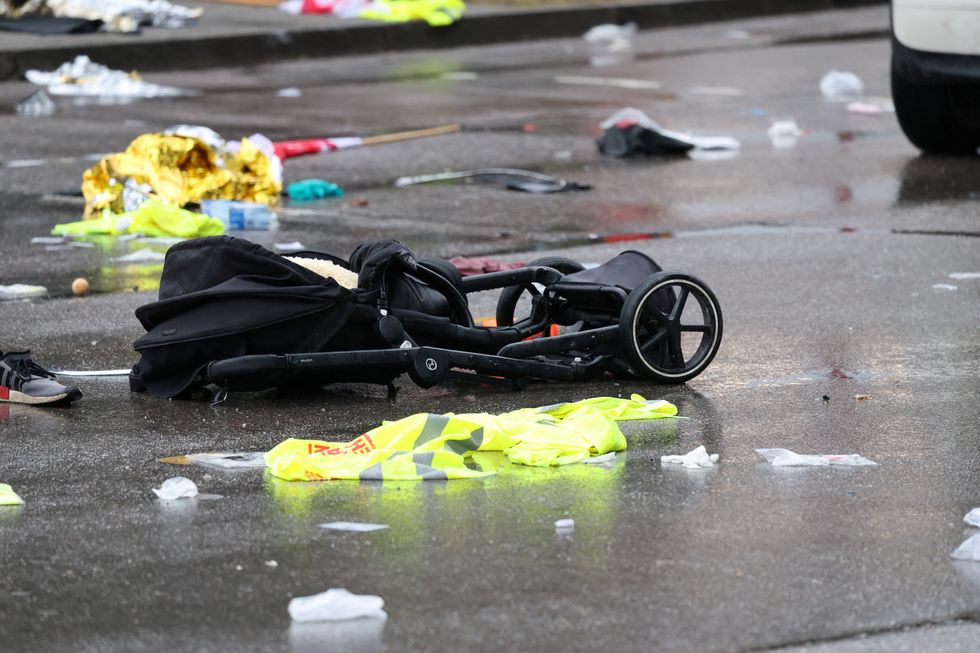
x: 510, y: 296
x: 657, y: 343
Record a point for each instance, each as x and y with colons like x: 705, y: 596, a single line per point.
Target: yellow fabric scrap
x: 8, y: 497
x: 181, y: 170
x: 429, y: 446
x: 437, y: 13
x: 152, y: 218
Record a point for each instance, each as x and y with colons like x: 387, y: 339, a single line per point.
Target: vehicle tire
x: 511, y: 295
x: 653, y: 335
x: 934, y: 116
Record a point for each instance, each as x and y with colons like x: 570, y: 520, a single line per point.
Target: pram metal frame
x: 427, y: 365
x: 234, y: 315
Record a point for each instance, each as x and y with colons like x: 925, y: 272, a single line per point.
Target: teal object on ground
x: 313, y: 189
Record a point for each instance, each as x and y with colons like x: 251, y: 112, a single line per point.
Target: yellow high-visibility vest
x: 428, y: 446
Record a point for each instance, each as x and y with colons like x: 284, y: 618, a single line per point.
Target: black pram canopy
x: 223, y: 297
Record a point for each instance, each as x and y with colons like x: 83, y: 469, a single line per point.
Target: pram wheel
x: 511, y: 296
x: 665, y: 336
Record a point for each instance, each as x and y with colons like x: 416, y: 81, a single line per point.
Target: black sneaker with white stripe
x: 22, y: 381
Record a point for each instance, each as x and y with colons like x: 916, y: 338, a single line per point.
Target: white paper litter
x: 610, y: 44
x: 145, y: 255
x: 693, y: 459
x: 22, y: 291
x: 175, y: 488
x: 564, y: 525
x: 292, y: 91
x: 840, y: 83
x: 599, y: 460
x: 359, y: 527
x: 611, y: 35
x: 84, y: 77
x: 36, y: 104
x: 870, y: 108
x: 784, y: 133
x: 336, y: 605
x: 787, y: 458
x: 730, y: 91
x: 969, y: 550
x: 973, y: 517
x: 294, y: 246
x: 965, y: 275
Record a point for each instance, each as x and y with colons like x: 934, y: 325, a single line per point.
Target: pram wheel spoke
x: 675, y: 314
x: 665, y: 335
x: 675, y: 351
x: 650, y: 345
x: 697, y: 328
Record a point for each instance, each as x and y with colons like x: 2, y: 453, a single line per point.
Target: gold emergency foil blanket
x: 180, y: 170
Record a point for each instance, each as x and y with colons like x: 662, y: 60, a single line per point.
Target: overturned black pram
x: 235, y: 316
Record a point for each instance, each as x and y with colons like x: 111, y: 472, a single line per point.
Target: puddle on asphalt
x: 814, y: 376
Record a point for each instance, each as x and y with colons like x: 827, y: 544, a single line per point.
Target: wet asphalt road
x: 832, y: 260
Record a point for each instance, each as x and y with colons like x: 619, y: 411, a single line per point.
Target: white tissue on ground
x: 969, y: 550
x: 841, y: 83
x: 177, y: 487
x: 973, y: 517
x: 693, y: 459
x: 360, y: 527
x: 599, y: 460
x: 336, y: 605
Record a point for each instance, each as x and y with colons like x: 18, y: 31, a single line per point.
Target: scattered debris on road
x: 336, y: 605
x: 787, y: 458
x: 840, y: 84
x: 175, y: 488
x: 509, y: 178
x: 630, y: 132
x: 83, y: 77
x: 357, y: 527
x: 693, y: 459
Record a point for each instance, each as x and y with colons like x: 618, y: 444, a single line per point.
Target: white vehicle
x: 936, y: 73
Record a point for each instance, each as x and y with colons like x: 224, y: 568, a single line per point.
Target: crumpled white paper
x: 336, y: 605
x: 175, y: 488
x: 840, y: 83
x: 144, y: 255
x: 22, y: 291
x: 564, y: 525
x: 973, y: 517
x: 692, y: 459
x: 969, y: 550
x: 356, y: 526
x: 784, y: 133
x: 787, y: 458
x: 600, y: 460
